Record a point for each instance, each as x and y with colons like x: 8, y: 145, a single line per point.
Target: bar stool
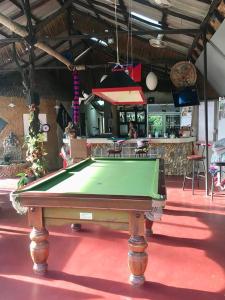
x: 195, y: 159
x: 117, y: 148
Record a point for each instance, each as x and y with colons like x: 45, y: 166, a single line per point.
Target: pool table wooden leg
x: 39, y: 249
x: 137, y: 257
x: 76, y: 227
x: 148, y: 228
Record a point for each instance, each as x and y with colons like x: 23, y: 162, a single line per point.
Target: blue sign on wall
x: 2, y: 124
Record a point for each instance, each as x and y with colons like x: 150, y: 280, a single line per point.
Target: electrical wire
x: 130, y: 36
x: 117, y: 40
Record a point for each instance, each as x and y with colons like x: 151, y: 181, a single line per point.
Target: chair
x: 195, y: 159
x: 117, y: 148
x: 142, y: 148
x: 217, y: 180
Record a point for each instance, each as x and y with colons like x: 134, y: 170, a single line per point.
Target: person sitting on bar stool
x: 142, y: 148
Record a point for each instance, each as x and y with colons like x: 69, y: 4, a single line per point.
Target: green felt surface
x: 126, y: 177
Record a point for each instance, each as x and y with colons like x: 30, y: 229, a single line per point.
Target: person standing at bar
x: 132, y: 131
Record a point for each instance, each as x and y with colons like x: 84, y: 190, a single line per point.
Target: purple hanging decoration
x: 75, y: 103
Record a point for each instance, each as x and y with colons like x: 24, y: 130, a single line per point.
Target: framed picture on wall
x: 43, y: 120
x: 221, y: 107
x: 186, y: 116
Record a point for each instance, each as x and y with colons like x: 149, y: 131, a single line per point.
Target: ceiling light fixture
x: 163, y: 3
x: 12, y: 105
x: 158, y: 42
x: 118, y: 88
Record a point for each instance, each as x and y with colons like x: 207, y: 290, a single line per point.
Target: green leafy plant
x: 25, y: 177
x: 35, y: 153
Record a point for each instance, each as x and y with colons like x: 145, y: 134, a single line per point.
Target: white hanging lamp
x: 151, y: 81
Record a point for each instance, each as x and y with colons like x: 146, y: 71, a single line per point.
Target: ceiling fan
x: 158, y: 42
x: 163, y: 3
x: 111, y: 2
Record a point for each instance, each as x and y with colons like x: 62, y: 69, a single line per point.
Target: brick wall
x: 14, y: 118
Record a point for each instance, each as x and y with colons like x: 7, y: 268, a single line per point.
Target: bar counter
x: 174, y: 151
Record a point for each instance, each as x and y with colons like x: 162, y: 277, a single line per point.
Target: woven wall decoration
x: 183, y: 74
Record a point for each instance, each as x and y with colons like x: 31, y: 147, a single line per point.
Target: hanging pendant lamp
x: 118, y: 88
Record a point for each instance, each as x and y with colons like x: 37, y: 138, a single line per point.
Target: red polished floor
x: 186, y: 256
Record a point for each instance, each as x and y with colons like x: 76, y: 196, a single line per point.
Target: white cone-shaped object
x: 103, y: 77
x: 151, y: 81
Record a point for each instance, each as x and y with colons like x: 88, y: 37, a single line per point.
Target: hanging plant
x: 35, y: 153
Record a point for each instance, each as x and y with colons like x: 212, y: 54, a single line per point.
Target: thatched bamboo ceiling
x: 70, y: 25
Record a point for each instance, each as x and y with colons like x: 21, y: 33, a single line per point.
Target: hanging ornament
x: 151, y: 81
x: 75, y: 104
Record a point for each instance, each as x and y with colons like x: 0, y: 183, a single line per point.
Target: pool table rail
x: 161, y: 181
x: 109, y: 202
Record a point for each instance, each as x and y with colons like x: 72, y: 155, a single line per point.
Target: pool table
x: 113, y: 192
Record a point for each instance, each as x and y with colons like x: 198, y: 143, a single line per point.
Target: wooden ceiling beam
x: 62, y: 67
x: 205, y: 1
x: 112, y: 33
x: 31, y: 32
x: 60, y: 2
x: 218, y: 15
x: 10, y: 40
x: 221, y: 8
x: 40, y: 56
x: 4, y: 34
x: 169, y: 12
x: 213, y: 6
x: 166, y: 38
x: 147, y: 3
x: 156, y: 61
x: 18, y: 5
x: 20, y: 14
x: 164, y: 20
x: 124, y: 11
x: 37, y: 57
x: 149, y: 31
x: 93, y: 8
x: 54, y: 15
x: 210, y: 29
x: 177, y: 42
x: 216, y: 20
x: 21, y: 31
x: 74, y: 46
x: 164, y: 15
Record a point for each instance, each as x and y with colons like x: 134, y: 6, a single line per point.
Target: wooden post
x: 206, y: 115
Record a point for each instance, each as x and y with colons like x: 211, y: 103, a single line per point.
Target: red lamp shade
x: 119, y: 89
